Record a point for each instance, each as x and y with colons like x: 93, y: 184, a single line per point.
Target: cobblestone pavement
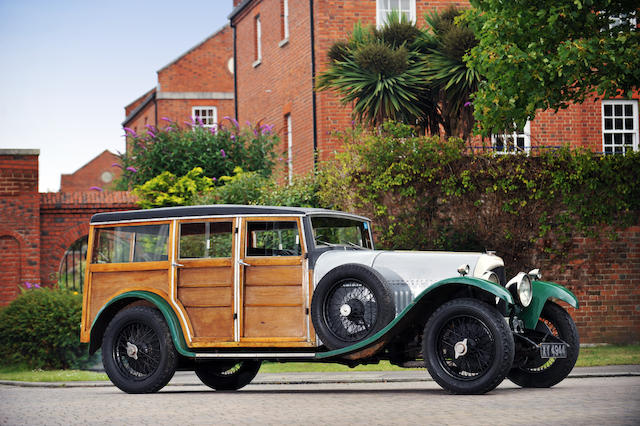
x: 583, y: 401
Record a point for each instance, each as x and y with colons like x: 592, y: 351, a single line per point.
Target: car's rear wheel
x: 227, y: 375
x: 546, y: 372
x: 467, y: 346
x: 137, y: 351
x: 350, y: 303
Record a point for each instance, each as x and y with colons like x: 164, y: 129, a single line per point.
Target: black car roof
x: 213, y: 210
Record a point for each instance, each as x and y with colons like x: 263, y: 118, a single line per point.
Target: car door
x: 274, y: 291
x: 205, y: 278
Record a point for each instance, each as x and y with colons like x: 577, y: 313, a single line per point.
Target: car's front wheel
x: 227, y: 375
x: 137, y: 351
x: 545, y: 372
x: 467, y: 347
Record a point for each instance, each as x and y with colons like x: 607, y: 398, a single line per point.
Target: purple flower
x: 150, y: 133
x: 132, y: 169
x: 222, y: 153
x: 167, y: 119
x: 96, y: 188
x: 150, y: 127
x: 255, y: 132
x: 36, y: 285
x: 116, y: 165
x: 233, y: 137
x: 27, y: 284
x: 214, y: 129
x: 214, y: 179
x: 467, y: 104
x: 130, y: 131
x: 188, y: 123
x: 248, y: 123
x: 233, y: 120
x: 266, y: 128
x: 200, y: 121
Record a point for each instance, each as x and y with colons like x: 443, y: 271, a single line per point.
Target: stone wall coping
x: 16, y: 151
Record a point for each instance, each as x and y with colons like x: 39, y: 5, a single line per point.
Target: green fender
x: 167, y: 312
x: 488, y: 286
x: 543, y: 291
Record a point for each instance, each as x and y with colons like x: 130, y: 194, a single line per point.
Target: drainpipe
x: 313, y: 85
x: 235, y: 74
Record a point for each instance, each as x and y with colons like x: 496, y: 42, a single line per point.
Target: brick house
x: 198, y: 84
x: 100, y: 172
x: 281, y: 45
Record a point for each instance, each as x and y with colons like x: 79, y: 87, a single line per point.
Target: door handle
x: 243, y: 263
x: 176, y: 264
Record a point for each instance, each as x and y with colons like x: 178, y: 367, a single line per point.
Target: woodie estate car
x: 219, y: 289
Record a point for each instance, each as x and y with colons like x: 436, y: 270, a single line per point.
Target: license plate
x: 553, y: 350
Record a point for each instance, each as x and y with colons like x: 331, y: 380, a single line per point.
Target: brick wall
x: 99, y: 172
x: 605, y: 276
x: 281, y: 83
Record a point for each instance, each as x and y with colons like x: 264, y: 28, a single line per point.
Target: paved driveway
x: 581, y: 401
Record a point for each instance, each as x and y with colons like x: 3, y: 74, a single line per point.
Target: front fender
x: 104, y: 316
x: 404, y: 318
x: 543, y: 291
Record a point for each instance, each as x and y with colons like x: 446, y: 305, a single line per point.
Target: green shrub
x: 167, y: 189
x: 178, y: 150
x: 427, y: 193
x: 41, y: 329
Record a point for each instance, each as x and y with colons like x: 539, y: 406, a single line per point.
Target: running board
x: 267, y: 355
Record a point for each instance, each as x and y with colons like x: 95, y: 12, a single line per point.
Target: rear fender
x: 109, y: 310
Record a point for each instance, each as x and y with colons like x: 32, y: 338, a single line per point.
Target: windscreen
x: 336, y: 231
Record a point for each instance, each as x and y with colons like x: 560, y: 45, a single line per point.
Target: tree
x: 445, y: 41
x: 538, y: 55
x: 382, y: 71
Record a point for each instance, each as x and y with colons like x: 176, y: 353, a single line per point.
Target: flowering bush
x: 41, y: 329
x: 217, y: 150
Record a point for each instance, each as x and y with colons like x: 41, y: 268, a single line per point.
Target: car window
x: 123, y: 244
x: 277, y: 238
x: 331, y: 231
x: 206, y: 240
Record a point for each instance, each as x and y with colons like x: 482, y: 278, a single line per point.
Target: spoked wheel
x: 227, y: 375
x: 137, y: 351
x: 467, y: 346
x: 351, y: 303
x: 540, y: 372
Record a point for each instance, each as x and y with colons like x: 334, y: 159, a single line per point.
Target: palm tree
x: 383, y: 73
x: 445, y: 43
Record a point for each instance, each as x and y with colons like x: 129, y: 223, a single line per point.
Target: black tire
x: 481, y: 338
x: 351, y: 303
x: 544, y: 373
x: 227, y: 375
x: 137, y: 352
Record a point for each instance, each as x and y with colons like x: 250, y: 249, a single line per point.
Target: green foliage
x: 545, y: 55
x: 167, y: 189
x: 178, y: 150
x: 428, y: 193
x: 41, y: 329
x: 405, y: 73
x: 253, y: 188
x: 382, y: 73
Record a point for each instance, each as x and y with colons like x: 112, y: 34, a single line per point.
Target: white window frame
x: 383, y: 7
x: 285, y: 19
x: 289, y: 148
x: 258, y: 30
x: 211, y: 121
x: 526, y: 134
x: 634, y: 131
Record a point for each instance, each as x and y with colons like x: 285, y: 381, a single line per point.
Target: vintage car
x: 219, y: 289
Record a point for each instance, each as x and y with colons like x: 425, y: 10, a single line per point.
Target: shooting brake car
x: 219, y: 289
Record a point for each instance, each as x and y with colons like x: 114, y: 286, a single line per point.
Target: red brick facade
x: 282, y: 82
x: 36, y: 229
x: 98, y: 173
x: 201, y: 77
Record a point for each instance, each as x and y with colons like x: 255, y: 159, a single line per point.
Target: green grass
x: 608, y: 355
x: 589, y: 357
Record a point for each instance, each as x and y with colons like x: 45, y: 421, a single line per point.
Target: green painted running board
x: 543, y: 291
x: 167, y: 312
x: 493, y: 288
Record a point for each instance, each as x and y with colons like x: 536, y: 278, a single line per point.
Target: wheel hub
x: 460, y: 348
x: 345, y: 310
x: 132, y: 350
